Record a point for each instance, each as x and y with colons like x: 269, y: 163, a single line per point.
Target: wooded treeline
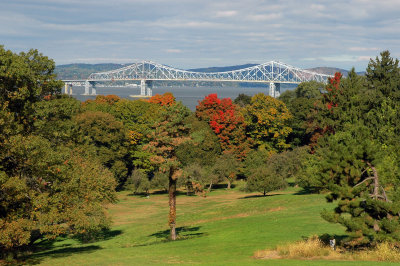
x: 62, y: 160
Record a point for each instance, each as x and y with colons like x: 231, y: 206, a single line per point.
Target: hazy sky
x: 200, y: 33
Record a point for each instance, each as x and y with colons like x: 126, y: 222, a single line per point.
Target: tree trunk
x: 265, y: 193
x: 229, y: 184
x: 172, y: 205
x: 209, y: 187
x: 376, y: 183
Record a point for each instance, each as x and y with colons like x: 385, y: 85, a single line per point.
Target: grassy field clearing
x: 226, y: 227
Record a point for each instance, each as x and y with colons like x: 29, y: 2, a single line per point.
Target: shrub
x: 382, y: 252
x: 138, y: 182
x: 312, y: 247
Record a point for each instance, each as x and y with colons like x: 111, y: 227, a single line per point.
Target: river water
x: 188, y: 95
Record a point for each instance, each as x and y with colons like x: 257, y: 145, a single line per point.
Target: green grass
x: 226, y: 227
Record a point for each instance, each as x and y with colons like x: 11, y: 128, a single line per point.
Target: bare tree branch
x: 368, y: 178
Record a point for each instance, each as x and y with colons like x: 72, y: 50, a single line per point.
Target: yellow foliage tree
x: 267, y: 122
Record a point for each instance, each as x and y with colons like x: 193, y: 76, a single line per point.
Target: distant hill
x: 82, y: 71
x: 329, y: 70
x: 332, y: 71
x: 221, y: 69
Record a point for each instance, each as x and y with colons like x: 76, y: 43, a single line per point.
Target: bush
x: 195, y: 178
x: 159, y: 181
x: 265, y: 180
x: 382, y: 252
x: 312, y: 247
x: 138, y: 182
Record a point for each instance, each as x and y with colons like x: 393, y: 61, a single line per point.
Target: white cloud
x: 264, y: 17
x: 363, y: 58
x: 318, y: 7
x: 363, y: 49
x: 226, y: 13
x: 334, y: 58
x: 173, y: 51
x: 295, y: 32
x: 95, y: 60
x: 187, y: 24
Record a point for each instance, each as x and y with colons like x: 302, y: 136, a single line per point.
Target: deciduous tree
x: 266, y: 122
x: 167, y: 99
x: 25, y: 78
x: 168, y: 133
x: 227, y: 122
x: 108, y: 138
x: 47, y: 191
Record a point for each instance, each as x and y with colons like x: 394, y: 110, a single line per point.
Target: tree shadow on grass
x: 59, y: 253
x: 156, y: 192
x: 259, y: 196
x: 105, y: 234
x: 306, y: 191
x: 183, y: 232
x: 221, y: 186
x: 47, y: 248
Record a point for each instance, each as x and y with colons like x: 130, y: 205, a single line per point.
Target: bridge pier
x: 146, y: 87
x: 90, y: 85
x: 68, y: 88
x: 274, y: 89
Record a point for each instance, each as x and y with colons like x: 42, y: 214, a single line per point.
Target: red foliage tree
x: 227, y: 122
x: 326, y: 113
x: 332, y: 97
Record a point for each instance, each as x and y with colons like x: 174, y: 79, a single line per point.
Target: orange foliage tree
x: 167, y: 99
x: 101, y: 103
x: 104, y: 99
x: 168, y: 133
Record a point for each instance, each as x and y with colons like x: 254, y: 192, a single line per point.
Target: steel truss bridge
x: 272, y: 73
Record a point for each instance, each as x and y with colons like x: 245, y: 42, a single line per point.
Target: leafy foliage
x: 109, y: 139
x: 301, y: 103
x: 167, y: 99
x: 357, y: 156
x: 265, y: 180
x: 138, y: 182
x: 49, y: 185
x: 266, y: 119
x: 203, y: 148
x: 227, y: 122
x: 53, y: 118
x: 168, y: 133
x: 242, y: 100
x: 226, y: 167
x: 50, y: 191
x: 266, y: 171
x: 101, y: 103
x: 25, y: 78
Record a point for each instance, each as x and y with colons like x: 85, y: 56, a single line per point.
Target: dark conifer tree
x: 357, y: 156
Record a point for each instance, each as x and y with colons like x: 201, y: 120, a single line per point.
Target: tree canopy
x: 49, y: 185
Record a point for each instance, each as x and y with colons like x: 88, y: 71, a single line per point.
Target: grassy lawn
x: 226, y: 227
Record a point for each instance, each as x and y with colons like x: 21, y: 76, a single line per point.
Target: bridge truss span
x: 272, y: 71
